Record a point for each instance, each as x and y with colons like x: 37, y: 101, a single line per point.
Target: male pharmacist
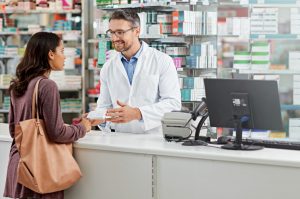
x: 138, y: 83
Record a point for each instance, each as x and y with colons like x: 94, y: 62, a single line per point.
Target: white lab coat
x: 154, y: 90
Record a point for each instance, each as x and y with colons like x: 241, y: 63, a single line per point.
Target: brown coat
x: 49, y: 110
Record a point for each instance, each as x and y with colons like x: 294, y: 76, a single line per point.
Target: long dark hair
x: 35, y: 61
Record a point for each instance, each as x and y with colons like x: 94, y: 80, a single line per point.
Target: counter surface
x: 154, y: 144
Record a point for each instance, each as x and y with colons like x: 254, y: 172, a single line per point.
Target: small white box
x: 294, y: 122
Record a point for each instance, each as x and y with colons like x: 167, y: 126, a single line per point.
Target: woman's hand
x: 86, y: 123
x: 94, y: 122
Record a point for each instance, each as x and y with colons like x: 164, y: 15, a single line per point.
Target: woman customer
x: 44, y: 53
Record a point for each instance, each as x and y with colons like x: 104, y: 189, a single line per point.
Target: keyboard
x: 278, y: 144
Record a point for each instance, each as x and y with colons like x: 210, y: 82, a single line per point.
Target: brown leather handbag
x: 44, y: 166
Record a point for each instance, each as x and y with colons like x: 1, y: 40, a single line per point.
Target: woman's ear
x: 51, y: 55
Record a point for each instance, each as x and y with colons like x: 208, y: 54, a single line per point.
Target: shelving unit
x: 162, y: 41
x: 68, y: 22
x: 282, y: 39
x: 240, y: 38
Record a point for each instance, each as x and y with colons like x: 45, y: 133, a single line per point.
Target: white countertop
x: 154, y: 144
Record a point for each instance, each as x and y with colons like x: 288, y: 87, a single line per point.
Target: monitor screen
x: 236, y: 103
x: 256, y: 99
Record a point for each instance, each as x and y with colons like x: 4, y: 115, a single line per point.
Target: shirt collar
x: 137, y: 54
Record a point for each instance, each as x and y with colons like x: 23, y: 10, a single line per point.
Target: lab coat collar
x: 138, y: 65
x: 136, y: 55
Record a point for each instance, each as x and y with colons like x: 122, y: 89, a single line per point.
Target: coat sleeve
x: 169, y: 96
x: 50, y: 111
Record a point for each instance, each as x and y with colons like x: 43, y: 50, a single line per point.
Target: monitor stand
x: 237, y: 144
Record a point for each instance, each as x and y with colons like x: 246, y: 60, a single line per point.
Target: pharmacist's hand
x: 123, y: 114
x: 94, y: 122
x: 86, y: 123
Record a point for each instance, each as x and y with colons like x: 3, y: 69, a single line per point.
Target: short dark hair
x: 35, y: 61
x: 127, y: 15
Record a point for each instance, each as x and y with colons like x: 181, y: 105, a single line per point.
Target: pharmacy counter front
x: 145, y: 166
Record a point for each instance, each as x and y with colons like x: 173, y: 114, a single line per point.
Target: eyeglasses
x: 118, y: 33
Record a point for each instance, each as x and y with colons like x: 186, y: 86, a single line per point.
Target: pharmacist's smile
x: 119, y: 43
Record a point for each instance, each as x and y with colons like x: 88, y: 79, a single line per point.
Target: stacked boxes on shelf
x: 62, y: 25
x: 68, y: 82
x: 25, y: 5
x: 70, y: 54
x: 1, y: 24
x: 296, y: 89
x: 153, y: 23
x: 165, y: 23
x: 238, y: 26
x: 5, y: 80
x: 202, y: 56
x: 294, y: 128
x: 8, y: 51
x: 71, y: 104
x: 124, y: 2
x: 6, y: 103
x: 194, y: 23
x: 264, y: 21
x: 103, y: 51
x: 257, y: 59
x: 178, y: 54
x: 192, y: 88
x: 295, y: 21
x: 294, y: 60
x: 242, y: 60
x: 103, y: 2
x: 43, y: 5
x: 260, y: 55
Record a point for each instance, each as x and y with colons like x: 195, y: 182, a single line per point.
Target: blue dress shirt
x: 130, y: 65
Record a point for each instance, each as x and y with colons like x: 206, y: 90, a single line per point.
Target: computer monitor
x: 250, y: 104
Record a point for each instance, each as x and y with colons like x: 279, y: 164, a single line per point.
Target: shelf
x: 69, y: 89
x: 265, y: 4
x: 71, y: 111
x: 199, y: 69
x: 286, y: 107
x: 93, y: 95
x: 276, y: 36
x: 4, y: 87
x: 4, y: 110
x: 232, y: 4
x: 63, y: 111
x: 95, y: 41
x: 30, y: 33
x: 153, y: 36
x: 228, y: 55
x: 60, y: 89
x: 190, y: 102
x: 173, y: 40
x: 76, y: 11
x: 272, y: 72
x: 136, y: 5
x: 9, y: 56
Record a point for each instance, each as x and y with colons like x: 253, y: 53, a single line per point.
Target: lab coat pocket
x: 148, y: 89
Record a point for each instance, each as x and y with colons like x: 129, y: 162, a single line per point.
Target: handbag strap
x: 34, y: 105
